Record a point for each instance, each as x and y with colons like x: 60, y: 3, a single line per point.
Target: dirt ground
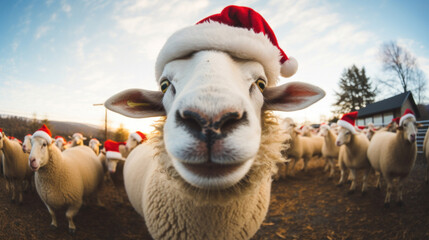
x: 306, y: 206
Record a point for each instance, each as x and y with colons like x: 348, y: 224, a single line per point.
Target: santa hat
x: 14, y: 138
x: 79, y: 135
x: 324, y: 125
x: 139, y: 136
x: 239, y: 31
x: 112, y: 149
x: 45, y: 133
x: 347, y: 121
x: 94, y: 140
x: 361, y: 127
x: 407, y: 114
x: 59, y: 138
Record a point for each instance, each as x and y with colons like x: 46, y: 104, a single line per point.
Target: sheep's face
x: 409, y: 129
x: 59, y: 144
x: 213, y: 103
x: 39, y: 155
x: 111, y: 164
x: 95, y: 145
x: 324, y: 131
x: 344, y: 136
x: 77, y: 139
x: 26, y: 144
x: 131, y: 144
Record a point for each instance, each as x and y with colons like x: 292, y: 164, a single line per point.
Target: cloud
x: 65, y: 6
x: 41, y: 31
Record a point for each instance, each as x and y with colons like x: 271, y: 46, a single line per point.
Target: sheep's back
x: 16, y: 163
x: 87, y: 165
x: 139, y: 166
x: 379, y: 148
x: 355, y: 155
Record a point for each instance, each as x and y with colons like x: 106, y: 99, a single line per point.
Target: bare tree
x: 403, y: 69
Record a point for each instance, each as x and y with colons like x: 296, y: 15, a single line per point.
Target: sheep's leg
x: 7, y: 185
x: 53, y: 217
x: 304, y: 168
x: 353, y: 178
x: 342, y: 170
x: 13, y: 190
x: 365, y: 176
x: 332, y: 167
x: 349, y: 178
x: 70, y: 213
x: 378, y: 184
x: 388, y: 193
x: 19, y: 187
x: 399, y: 197
x: 327, y: 164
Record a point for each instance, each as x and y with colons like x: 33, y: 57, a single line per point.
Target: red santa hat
x: 139, y: 136
x: 94, y: 140
x: 239, y: 31
x: 112, y: 149
x: 361, y: 127
x: 59, y: 138
x: 347, y: 121
x: 324, y: 125
x: 407, y: 114
x: 44, y: 132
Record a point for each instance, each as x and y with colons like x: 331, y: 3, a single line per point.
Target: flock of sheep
x: 390, y: 152
x: 64, y: 174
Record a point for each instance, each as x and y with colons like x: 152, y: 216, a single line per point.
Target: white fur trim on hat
x: 346, y: 125
x: 114, y: 155
x: 408, y: 115
x: 136, y: 136
x: 43, y: 135
x: 239, y: 42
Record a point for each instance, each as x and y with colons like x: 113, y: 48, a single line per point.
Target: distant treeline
x: 20, y: 126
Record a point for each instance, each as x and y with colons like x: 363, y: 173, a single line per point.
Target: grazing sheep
x: 26, y: 144
x: 426, y: 154
x: 353, y: 149
x: 60, y: 143
x: 207, y: 172
x: 394, y: 154
x: 77, y: 139
x: 330, y: 150
x: 63, y: 179
x: 94, y: 144
x: 15, y: 167
x: 302, y: 148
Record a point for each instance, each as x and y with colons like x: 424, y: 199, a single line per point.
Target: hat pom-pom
x: 289, y: 67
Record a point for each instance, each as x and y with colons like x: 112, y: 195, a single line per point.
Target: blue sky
x: 57, y: 58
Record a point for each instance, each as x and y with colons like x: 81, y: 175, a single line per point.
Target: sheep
x: 60, y: 143
x: 134, y: 139
x: 115, y: 163
x: 394, y: 154
x: 63, y: 179
x: 77, y: 139
x: 330, y: 150
x: 26, y: 144
x: 94, y: 144
x: 426, y: 154
x: 15, y: 167
x: 302, y: 148
x: 207, y: 172
x: 352, y: 155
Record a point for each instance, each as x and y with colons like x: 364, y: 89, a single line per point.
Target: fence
x: 421, y: 135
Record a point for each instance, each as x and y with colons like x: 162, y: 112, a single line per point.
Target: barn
x: 382, y: 112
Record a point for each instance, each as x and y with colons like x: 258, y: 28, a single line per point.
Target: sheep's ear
x: 291, y: 96
x: 419, y: 125
x: 137, y: 103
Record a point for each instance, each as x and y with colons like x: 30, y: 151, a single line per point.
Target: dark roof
x: 385, y: 105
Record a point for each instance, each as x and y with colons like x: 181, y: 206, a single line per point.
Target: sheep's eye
x: 261, y: 84
x: 164, y: 85
x: 44, y: 144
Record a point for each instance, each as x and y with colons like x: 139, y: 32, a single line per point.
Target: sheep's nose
x: 412, y: 137
x: 338, y: 143
x: 216, y: 126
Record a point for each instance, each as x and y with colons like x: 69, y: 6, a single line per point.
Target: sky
x: 58, y: 58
